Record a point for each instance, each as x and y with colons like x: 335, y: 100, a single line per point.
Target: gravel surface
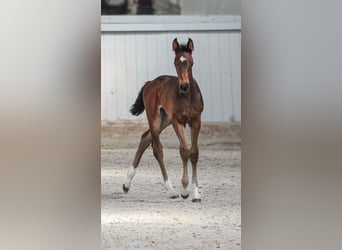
x: 145, y: 218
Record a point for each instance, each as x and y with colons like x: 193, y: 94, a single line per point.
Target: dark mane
x: 183, y: 48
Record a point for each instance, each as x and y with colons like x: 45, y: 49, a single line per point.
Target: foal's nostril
x: 184, y: 87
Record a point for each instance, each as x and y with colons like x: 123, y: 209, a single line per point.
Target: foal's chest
x: 186, y: 114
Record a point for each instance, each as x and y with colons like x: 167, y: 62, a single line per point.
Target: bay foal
x: 177, y: 101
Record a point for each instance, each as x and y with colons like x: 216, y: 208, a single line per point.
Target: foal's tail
x: 138, y: 107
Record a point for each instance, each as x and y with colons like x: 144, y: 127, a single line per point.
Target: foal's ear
x: 175, y: 44
x: 190, y: 44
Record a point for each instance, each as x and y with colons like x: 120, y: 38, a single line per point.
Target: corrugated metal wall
x: 129, y: 59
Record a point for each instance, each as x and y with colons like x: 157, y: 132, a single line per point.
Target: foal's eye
x: 191, y: 63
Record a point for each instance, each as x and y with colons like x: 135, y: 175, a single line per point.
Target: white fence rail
x: 137, y: 49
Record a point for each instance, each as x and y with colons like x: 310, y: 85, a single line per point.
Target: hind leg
x: 157, y: 124
x: 145, y: 141
x: 158, y: 154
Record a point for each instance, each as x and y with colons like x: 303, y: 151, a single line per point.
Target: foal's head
x: 183, y: 63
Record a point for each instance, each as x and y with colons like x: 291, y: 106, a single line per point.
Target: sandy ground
x: 145, y: 218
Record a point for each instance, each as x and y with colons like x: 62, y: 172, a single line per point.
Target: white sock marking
x: 169, y: 186
x: 130, y: 174
x: 184, y: 191
x: 195, y: 192
x: 172, y: 191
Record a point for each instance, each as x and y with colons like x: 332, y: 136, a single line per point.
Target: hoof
x: 196, y: 200
x: 185, y: 196
x: 174, y: 196
x: 124, y: 188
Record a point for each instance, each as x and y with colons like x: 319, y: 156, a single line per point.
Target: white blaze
x: 182, y: 59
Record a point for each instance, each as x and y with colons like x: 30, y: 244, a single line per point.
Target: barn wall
x: 133, y: 53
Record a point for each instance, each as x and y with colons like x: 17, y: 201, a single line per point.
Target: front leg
x: 195, y: 128
x: 185, y: 155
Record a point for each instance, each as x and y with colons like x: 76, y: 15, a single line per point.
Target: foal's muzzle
x: 184, y: 87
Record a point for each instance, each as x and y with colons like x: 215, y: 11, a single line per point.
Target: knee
x: 194, y: 156
x: 157, y: 148
x: 184, y: 152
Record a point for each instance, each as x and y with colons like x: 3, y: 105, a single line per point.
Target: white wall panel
x: 129, y: 59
